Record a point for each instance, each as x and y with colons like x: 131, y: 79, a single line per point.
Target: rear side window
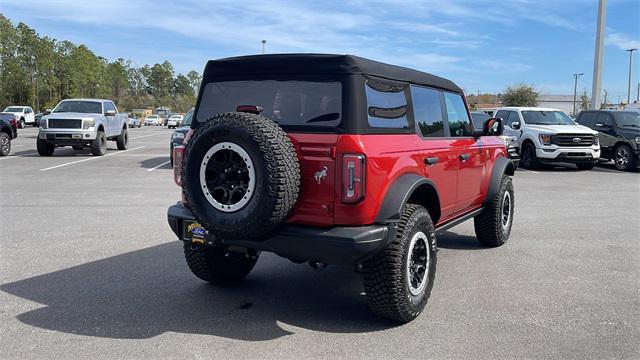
x: 386, y: 105
x: 291, y: 103
x: 588, y: 119
x: 457, y: 115
x: 427, y: 111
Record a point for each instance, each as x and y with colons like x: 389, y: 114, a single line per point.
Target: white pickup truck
x: 82, y: 123
x: 24, y: 115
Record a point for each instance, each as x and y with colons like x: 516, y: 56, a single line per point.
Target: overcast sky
x: 481, y: 45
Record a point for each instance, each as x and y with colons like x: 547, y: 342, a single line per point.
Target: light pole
x: 575, y: 90
x: 264, y: 43
x: 630, y: 68
x: 598, y: 58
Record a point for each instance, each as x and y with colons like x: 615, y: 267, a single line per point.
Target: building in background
x: 564, y: 102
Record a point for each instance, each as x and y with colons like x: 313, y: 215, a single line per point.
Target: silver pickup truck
x: 82, y: 123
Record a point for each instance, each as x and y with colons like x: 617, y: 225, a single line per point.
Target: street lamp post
x: 264, y: 43
x: 575, y: 90
x: 630, y: 68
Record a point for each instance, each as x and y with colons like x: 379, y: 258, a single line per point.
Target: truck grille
x: 572, y: 139
x: 65, y: 124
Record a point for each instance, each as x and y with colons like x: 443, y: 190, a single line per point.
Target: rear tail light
x: 14, y: 122
x: 353, y: 184
x: 178, y: 157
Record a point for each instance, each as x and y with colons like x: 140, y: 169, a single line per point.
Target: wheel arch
x: 409, y: 188
x: 501, y: 166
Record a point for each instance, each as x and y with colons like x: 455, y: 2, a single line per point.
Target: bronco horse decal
x: 319, y: 175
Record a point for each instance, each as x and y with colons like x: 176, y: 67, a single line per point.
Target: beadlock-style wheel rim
x: 417, y: 267
x: 506, y: 210
x: 227, y: 177
x: 622, y: 158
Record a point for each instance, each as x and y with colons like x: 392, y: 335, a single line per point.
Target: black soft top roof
x: 318, y: 64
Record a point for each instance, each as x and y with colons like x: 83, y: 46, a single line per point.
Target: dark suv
x: 8, y: 132
x: 336, y: 159
x: 619, y: 135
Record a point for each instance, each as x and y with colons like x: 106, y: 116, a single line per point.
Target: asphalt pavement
x: 90, y: 269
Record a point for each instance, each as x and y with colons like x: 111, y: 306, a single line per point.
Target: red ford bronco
x: 336, y: 159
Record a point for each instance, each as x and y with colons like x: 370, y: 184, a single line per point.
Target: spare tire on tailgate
x: 240, y: 175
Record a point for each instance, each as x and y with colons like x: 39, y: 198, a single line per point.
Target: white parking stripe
x: 90, y: 158
x: 144, y: 136
x: 155, y: 167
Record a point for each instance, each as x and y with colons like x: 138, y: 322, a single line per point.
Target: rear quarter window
x: 386, y: 105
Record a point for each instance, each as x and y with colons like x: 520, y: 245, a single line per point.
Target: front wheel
x: 399, y: 279
x: 44, y: 148
x: 218, y: 266
x: 5, y: 144
x: 493, y: 224
x: 624, y: 158
x: 529, y: 159
x: 99, y: 144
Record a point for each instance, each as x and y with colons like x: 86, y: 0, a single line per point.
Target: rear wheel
x: 99, y: 144
x: 218, y: 266
x: 624, y: 158
x: 123, y: 139
x: 44, y: 148
x: 399, y: 279
x: 21, y: 125
x: 529, y: 159
x: 5, y: 144
x: 493, y: 224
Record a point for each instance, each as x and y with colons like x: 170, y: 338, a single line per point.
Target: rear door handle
x: 431, y: 160
x: 464, y: 157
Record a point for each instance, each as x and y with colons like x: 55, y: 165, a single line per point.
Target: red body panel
x: 461, y: 184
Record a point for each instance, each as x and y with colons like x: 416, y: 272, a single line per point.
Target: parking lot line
x: 157, y: 166
x: 144, y: 136
x: 90, y: 158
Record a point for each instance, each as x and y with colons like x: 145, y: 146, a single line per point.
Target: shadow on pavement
x: 145, y: 293
x: 153, y: 162
x: 449, y: 240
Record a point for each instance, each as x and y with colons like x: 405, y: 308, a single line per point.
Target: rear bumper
x: 336, y: 245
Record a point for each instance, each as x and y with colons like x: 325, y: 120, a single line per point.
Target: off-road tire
x: 630, y: 164
x: 77, y: 147
x: 215, y: 265
x: 99, y: 144
x: 528, y: 158
x: 385, y: 275
x: 489, y: 223
x: 276, y: 170
x: 585, y: 166
x: 5, y: 144
x: 122, y: 141
x: 44, y: 148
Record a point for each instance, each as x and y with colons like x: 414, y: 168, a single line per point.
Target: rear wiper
x: 325, y: 117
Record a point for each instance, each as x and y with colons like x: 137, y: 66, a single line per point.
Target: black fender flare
x: 398, y: 195
x: 501, y: 167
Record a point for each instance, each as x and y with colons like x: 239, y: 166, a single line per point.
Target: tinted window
x: 605, y: 119
x: 627, y: 119
x: 386, y: 105
x: 187, y: 118
x: 588, y: 119
x: 457, y: 115
x: 288, y: 103
x: 479, y: 118
x: 85, y: 107
x: 427, y: 111
x: 542, y: 117
x: 502, y: 114
x: 513, y: 117
x: 14, y: 109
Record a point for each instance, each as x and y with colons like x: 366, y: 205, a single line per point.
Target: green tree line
x: 40, y: 71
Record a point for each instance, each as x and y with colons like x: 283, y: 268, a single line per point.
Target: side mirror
x: 110, y: 113
x: 515, y: 125
x: 492, y: 127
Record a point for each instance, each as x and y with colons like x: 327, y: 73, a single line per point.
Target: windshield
x: 540, y: 117
x: 631, y: 119
x: 14, y: 109
x: 290, y: 103
x: 85, y: 107
x: 478, y: 119
x: 187, y: 118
